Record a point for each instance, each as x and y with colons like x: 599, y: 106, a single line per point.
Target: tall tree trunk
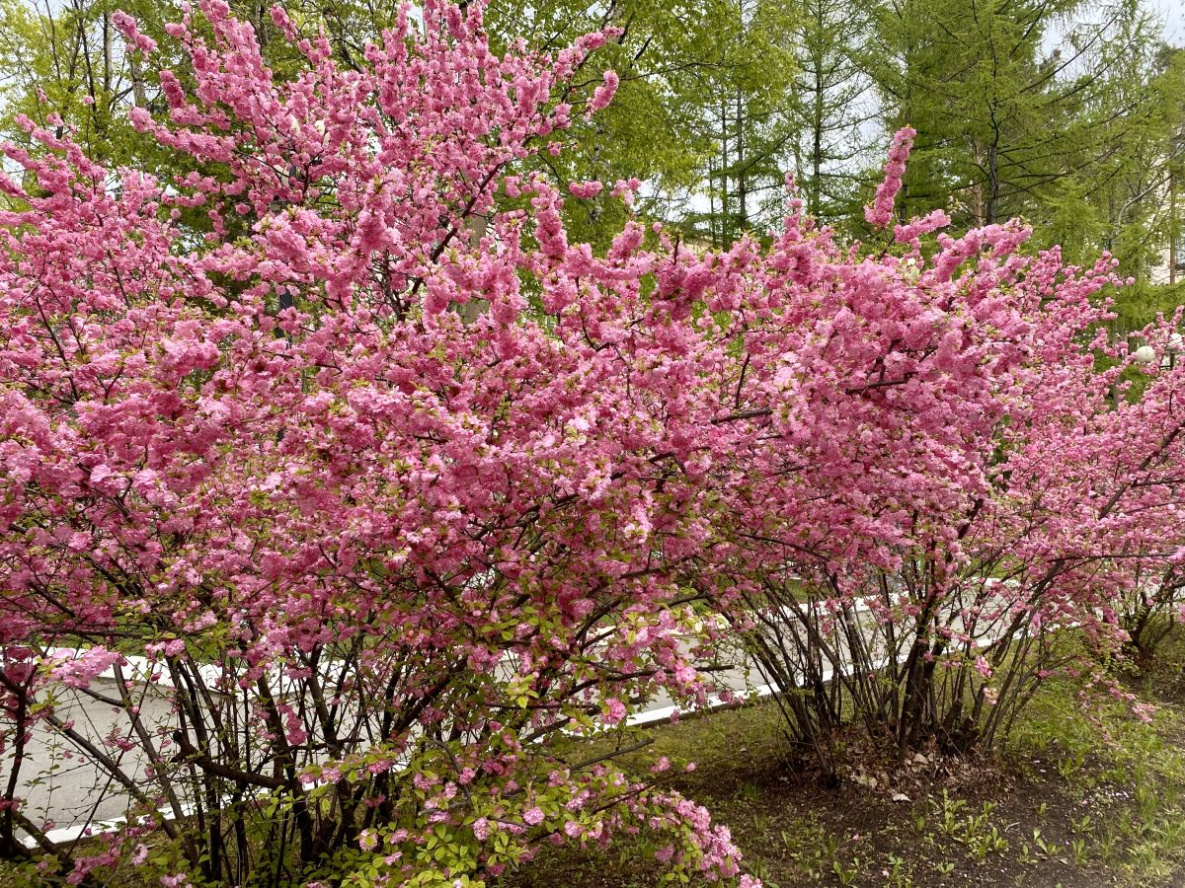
x: 742, y: 190
x: 815, y: 194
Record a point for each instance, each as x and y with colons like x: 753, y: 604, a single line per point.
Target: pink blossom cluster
x: 880, y: 212
x: 80, y: 671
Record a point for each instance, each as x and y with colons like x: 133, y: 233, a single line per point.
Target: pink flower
x: 880, y: 213
x: 904, y: 234
x: 533, y: 816
x: 615, y: 711
x: 604, y: 93
x: 80, y: 671
x: 585, y: 190
x: 127, y: 26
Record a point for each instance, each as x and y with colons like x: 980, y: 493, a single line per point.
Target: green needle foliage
x: 1068, y: 113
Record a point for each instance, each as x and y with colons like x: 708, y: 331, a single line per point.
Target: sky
x: 1173, y: 13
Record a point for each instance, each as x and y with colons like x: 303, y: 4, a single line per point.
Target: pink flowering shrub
x: 943, y: 506
x: 1153, y: 603
x: 1151, y: 591
x: 391, y: 483
x: 375, y: 554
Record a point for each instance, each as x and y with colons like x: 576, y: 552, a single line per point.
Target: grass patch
x: 1083, y: 793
